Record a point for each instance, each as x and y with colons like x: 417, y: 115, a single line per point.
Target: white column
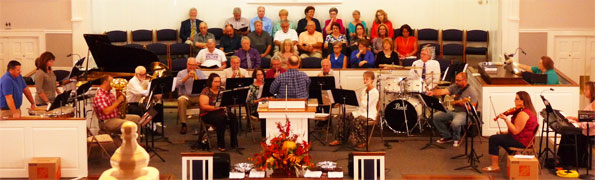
x: 81, y: 24
x: 509, y: 27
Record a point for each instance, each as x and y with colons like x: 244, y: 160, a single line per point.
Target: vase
x: 283, y: 173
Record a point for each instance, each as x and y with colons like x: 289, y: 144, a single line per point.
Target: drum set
x: 402, y: 109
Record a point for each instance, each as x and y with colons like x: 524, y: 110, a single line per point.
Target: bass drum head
x: 395, y: 116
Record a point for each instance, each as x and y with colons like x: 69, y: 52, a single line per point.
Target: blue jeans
x: 441, y: 120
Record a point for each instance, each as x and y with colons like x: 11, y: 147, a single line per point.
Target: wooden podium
x: 296, y: 110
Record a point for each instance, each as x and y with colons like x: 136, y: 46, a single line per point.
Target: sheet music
x: 236, y: 175
x: 256, y: 174
x: 312, y: 174
x: 335, y: 174
x: 173, y: 85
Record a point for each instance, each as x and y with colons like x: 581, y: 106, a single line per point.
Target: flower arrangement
x: 283, y: 153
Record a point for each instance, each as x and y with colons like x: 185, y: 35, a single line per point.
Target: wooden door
x: 24, y: 50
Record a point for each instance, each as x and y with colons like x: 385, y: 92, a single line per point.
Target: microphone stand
x: 367, y: 117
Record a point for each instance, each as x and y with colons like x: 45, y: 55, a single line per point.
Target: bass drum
x: 396, y: 112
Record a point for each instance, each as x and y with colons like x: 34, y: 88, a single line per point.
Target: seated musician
x: 545, y: 66
x: 185, y: 80
x: 234, y: 71
x: 520, y: 129
x: 326, y: 70
x: 105, y: 104
x: 45, y: 79
x: 355, y: 123
x: 12, y: 87
x: 276, y: 68
x: 426, y: 68
x: 457, y: 118
x: 211, y: 57
x: 255, y: 96
x: 138, y: 86
x: 291, y: 84
x: 567, y: 153
x: 217, y: 115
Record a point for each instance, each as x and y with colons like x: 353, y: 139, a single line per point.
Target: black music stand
x: 232, y: 83
x: 472, y: 157
x: 60, y: 100
x: 80, y: 96
x: 434, y: 104
x: 159, y: 86
x: 317, y: 85
x: 234, y: 97
x: 198, y: 85
x: 588, y: 117
x: 146, y: 123
x: 345, y: 97
x: 545, y: 128
x: 267, y: 87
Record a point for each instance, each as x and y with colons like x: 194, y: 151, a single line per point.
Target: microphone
x: 548, y: 106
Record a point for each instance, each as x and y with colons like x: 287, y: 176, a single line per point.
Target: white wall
x: 157, y: 14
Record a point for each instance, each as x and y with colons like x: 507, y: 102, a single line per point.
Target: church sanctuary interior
x: 297, y: 89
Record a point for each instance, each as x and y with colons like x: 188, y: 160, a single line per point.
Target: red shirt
x: 526, y: 134
x: 271, y: 73
x: 405, y: 46
x: 102, y: 100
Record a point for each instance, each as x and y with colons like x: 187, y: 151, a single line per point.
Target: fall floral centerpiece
x: 283, y: 153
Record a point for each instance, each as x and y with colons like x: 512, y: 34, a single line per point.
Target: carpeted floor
x: 403, y: 158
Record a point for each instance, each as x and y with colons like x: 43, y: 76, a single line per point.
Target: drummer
x: 45, y: 79
x: 463, y: 93
x: 426, y: 68
x: 13, y: 87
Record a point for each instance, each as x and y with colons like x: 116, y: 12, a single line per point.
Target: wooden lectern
x: 278, y: 110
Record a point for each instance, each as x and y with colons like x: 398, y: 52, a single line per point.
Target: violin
x: 510, y: 111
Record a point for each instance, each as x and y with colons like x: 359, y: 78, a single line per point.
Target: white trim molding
x: 39, y: 34
x: 58, y: 31
x: 551, y: 37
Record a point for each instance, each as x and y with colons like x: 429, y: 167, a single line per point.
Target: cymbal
x: 390, y: 65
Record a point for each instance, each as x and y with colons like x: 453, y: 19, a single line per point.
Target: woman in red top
x: 381, y: 18
x: 406, y: 45
x: 521, y: 129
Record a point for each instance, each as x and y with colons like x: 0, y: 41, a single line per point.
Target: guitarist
x: 457, y: 117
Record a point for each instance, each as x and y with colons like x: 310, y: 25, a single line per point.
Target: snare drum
x: 61, y: 112
x: 392, y: 85
x: 409, y: 109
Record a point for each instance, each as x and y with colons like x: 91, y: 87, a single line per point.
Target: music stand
x: 198, y: 85
x: 267, y: 87
x: 60, y: 100
x: 75, y: 72
x: 317, y: 85
x: 147, y: 119
x: 472, y: 158
x: 345, y: 97
x: 80, y: 96
x: 434, y: 104
x: 234, y: 97
x: 232, y: 83
x: 160, y: 86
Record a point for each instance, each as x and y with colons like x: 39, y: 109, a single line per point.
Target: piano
x: 558, y: 122
x: 118, y: 61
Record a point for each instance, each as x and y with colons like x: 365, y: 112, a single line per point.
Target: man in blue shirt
x: 545, y: 66
x: 12, y: 87
x: 293, y: 83
x: 267, y: 23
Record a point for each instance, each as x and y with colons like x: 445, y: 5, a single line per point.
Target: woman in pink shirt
x: 567, y: 153
x: 328, y: 29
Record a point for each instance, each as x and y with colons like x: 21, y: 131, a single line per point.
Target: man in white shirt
x: 234, y: 71
x: 239, y: 23
x: 211, y: 57
x: 285, y: 33
x: 138, y: 86
x: 426, y: 68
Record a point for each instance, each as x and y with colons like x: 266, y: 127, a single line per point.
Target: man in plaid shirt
x: 297, y: 82
x: 105, y: 105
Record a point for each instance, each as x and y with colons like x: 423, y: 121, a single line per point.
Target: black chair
x: 397, y: 33
x: 408, y: 62
x: 311, y: 62
x: 444, y: 63
x: 61, y: 75
x: 477, y: 36
x: 453, y: 70
x: 427, y: 35
x: 454, y: 47
x: 217, y: 32
x: 117, y: 36
x: 179, y: 52
x: 138, y: 46
x: 265, y: 63
x: 160, y: 50
x: 178, y: 64
x: 167, y: 35
x: 142, y: 35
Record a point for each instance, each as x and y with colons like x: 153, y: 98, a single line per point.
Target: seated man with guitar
x: 463, y: 93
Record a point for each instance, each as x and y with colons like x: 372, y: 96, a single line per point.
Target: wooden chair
x: 363, y: 159
x: 201, y: 161
x: 375, y: 122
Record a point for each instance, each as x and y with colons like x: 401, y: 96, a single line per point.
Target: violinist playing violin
x: 463, y: 93
x: 520, y: 129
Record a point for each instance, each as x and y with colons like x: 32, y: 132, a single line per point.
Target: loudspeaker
x: 221, y: 165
